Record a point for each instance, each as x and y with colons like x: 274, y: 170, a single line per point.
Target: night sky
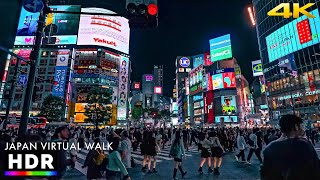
x: 185, y: 28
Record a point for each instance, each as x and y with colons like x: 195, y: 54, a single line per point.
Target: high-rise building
x: 158, y: 75
x: 289, y: 50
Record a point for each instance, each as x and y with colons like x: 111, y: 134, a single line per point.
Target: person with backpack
x: 253, y: 145
x: 95, y: 161
x: 177, y: 152
x: 115, y: 167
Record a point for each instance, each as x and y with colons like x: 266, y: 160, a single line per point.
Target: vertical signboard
x: 207, y: 59
x: 257, y: 68
x: 60, y: 74
x: 123, y: 88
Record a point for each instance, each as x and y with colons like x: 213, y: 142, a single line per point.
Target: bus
x: 33, y: 122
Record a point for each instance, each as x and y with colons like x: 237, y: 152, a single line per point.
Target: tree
x: 136, y: 113
x: 98, y: 110
x: 53, y: 108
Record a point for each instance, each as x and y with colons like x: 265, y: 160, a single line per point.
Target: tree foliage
x: 99, y: 107
x: 53, y: 108
x: 137, y: 112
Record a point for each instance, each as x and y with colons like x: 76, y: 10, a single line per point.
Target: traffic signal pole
x: 34, y: 61
x: 12, y: 89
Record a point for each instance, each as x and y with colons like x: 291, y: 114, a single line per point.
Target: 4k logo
x: 287, y: 12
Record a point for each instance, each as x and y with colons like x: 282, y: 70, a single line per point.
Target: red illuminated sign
x: 304, y: 31
x: 229, y: 80
x: 136, y: 85
x: 158, y: 90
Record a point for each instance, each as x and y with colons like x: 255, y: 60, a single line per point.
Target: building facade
x: 289, y: 50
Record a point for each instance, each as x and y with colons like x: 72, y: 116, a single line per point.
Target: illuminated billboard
x: 108, y: 31
x: 220, y: 48
x: 25, y: 53
x: 298, y: 34
x: 207, y: 59
x: 257, y: 68
x: 223, y: 78
x: 226, y: 119
x: 157, y: 90
x: 198, y: 60
x: 196, y: 80
x: 123, y: 88
x: 60, y: 25
x: 228, y: 104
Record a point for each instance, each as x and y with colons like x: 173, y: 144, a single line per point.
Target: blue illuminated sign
x: 184, y: 62
x: 220, y: 48
x: 298, y: 34
x: 60, y: 77
x: 198, y: 60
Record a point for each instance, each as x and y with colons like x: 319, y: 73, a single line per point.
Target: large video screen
x: 60, y: 25
x: 225, y: 79
x: 108, y: 31
x: 220, y: 48
x: 298, y: 34
x: 198, y: 60
x: 228, y: 104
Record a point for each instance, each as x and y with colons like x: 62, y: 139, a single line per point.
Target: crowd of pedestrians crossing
x: 287, y: 151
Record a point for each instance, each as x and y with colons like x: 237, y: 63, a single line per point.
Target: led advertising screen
x: 223, y: 78
x: 198, y: 60
x: 108, y: 31
x: 60, y: 77
x: 298, y: 34
x: 220, y: 48
x: 196, y: 79
x: 228, y: 104
x: 25, y: 53
x: 207, y: 59
x: 257, y: 68
x: 123, y: 88
x: 60, y: 25
x: 226, y: 119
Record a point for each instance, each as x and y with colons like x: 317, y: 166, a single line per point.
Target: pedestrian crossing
x: 138, y: 158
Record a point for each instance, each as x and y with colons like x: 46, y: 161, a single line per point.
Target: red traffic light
x: 152, y: 9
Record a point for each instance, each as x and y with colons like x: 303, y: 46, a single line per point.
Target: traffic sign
x: 22, y: 79
x: 33, y: 6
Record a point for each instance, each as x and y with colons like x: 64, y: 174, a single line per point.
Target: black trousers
x: 257, y: 152
x: 241, y: 154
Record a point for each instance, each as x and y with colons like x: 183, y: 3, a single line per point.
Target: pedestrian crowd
x: 285, y: 153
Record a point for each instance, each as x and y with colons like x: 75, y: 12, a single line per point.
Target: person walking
x: 292, y: 156
x: 241, y: 144
x: 205, y: 154
x: 125, y: 149
x: 177, y: 152
x: 217, y: 152
x: 253, y: 145
x: 94, y: 161
x: 115, y: 167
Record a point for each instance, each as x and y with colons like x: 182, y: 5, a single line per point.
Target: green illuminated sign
x: 221, y: 53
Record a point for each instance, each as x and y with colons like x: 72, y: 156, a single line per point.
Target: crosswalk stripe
x: 140, y: 157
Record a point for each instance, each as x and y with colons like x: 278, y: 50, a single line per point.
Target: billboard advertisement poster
x: 229, y: 80
x: 217, y: 82
x: 198, y: 60
x: 187, y: 85
x: 287, y: 64
x: 226, y: 119
x: 136, y: 85
x: 25, y: 53
x: 183, y: 62
x: 257, y: 68
x: 64, y: 24
x: 63, y: 58
x: 220, y: 48
x: 123, y: 88
x: 28, y: 23
x: 60, y: 77
x: 29, y: 40
x: 114, y: 96
x: 228, y: 104
x: 108, y: 31
x: 262, y: 84
x: 207, y: 59
x: 298, y: 34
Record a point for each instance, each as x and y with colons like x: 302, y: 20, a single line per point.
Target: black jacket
x: 290, y: 159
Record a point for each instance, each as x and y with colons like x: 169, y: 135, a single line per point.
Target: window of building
x: 44, y: 54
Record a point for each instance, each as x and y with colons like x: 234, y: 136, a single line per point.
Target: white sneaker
x: 248, y: 162
x: 236, y: 158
